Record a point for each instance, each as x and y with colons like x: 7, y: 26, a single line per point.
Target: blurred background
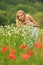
x: 8, y: 9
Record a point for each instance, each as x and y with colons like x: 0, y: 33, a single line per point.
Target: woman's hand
x: 35, y: 25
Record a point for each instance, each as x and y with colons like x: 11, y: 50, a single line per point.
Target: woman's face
x: 21, y: 16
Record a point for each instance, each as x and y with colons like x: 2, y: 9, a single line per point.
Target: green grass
x: 8, y: 37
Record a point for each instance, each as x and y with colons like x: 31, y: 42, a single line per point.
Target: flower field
x: 20, y: 47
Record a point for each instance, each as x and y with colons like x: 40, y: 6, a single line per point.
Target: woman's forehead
x: 20, y: 13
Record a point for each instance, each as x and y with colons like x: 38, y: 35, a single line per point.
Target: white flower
x: 14, y: 44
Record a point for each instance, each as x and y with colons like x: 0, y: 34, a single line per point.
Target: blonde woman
x: 22, y: 19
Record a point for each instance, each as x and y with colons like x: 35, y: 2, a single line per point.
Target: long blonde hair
x: 18, y: 22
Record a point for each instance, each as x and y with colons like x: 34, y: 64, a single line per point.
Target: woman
x: 22, y: 19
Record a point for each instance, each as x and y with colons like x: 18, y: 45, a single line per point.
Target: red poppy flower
x: 38, y: 44
x: 30, y: 52
x: 22, y: 46
x: 12, y: 56
x: 25, y: 56
x: 8, y: 48
x: 13, y: 51
x: 4, y: 49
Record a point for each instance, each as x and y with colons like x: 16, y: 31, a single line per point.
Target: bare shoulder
x: 28, y: 15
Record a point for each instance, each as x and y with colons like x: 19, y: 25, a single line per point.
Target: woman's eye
x: 19, y: 16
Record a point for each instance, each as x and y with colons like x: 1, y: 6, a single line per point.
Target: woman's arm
x: 32, y: 20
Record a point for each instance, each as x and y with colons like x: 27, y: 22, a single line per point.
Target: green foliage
x: 3, y: 17
x: 11, y: 39
x: 39, y: 17
x: 6, y: 18
x: 2, y: 5
x: 12, y: 6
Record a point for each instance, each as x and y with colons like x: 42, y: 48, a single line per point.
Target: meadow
x: 17, y: 47
x: 20, y: 46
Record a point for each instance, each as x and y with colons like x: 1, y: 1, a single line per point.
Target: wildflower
x: 30, y: 52
x: 25, y: 56
x: 38, y: 44
x: 4, y: 49
x: 22, y: 46
x: 8, y: 48
x: 13, y: 51
x: 12, y: 57
x: 14, y: 44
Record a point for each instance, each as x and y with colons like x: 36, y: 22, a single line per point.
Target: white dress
x: 34, y: 36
